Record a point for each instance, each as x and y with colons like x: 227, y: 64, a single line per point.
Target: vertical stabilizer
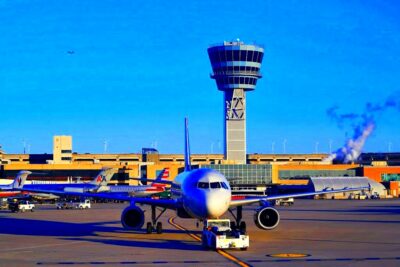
x: 20, y: 179
x: 103, y: 177
x: 164, y: 175
x: 188, y: 167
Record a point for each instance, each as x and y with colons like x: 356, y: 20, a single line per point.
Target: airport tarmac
x: 311, y: 233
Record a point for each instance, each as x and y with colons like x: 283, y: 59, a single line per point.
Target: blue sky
x: 139, y: 67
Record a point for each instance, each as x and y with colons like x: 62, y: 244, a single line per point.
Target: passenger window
x: 202, y: 185
x: 215, y: 185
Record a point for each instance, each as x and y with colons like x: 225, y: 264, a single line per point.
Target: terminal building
x: 262, y: 171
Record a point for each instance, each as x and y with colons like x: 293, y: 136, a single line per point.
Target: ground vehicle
x: 22, y: 206
x: 3, y: 204
x: 83, y: 204
x: 285, y: 201
x: 218, y: 234
x: 64, y: 205
x: 375, y: 195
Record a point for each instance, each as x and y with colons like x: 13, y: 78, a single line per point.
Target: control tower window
x: 256, y: 53
x: 260, y: 57
x: 250, y: 56
x: 236, y: 55
x: 228, y: 55
x: 243, y: 55
x: 213, y: 57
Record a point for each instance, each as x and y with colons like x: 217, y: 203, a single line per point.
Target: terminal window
x: 388, y: 177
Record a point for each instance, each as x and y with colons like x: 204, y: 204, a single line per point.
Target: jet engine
x: 132, y: 218
x: 266, y: 218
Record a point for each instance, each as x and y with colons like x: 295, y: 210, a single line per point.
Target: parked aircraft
x: 200, y: 194
x: 141, y: 190
x: 98, y: 184
x: 14, y: 189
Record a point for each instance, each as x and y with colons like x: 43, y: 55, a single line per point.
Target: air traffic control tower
x: 236, y: 69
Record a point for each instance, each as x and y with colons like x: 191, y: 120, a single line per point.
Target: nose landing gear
x: 154, y: 225
x: 238, y: 224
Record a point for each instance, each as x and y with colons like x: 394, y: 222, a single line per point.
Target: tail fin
x: 20, y: 179
x: 188, y: 167
x: 164, y: 174
x: 103, y: 177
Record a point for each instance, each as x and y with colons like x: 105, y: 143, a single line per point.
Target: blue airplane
x: 200, y: 194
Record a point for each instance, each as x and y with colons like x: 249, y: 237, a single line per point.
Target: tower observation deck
x: 236, y: 69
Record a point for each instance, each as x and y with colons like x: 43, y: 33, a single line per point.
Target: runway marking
x: 219, y: 251
x: 289, y: 255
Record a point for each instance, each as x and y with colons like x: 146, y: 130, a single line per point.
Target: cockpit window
x: 215, y: 185
x: 203, y: 185
x: 223, y: 184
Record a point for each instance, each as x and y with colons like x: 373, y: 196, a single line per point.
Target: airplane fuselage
x: 203, y: 193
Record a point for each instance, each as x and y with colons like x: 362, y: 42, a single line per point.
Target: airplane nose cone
x: 217, y: 204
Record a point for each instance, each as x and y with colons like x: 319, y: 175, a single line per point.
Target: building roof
x: 323, y: 183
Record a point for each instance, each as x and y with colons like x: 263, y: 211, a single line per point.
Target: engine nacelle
x: 132, y: 218
x: 266, y: 218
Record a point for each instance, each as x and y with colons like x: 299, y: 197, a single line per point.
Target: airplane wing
x: 251, y: 200
x: 154, y: 181
x: 165, y: 203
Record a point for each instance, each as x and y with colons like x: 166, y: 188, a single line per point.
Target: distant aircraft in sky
x: 200, y: 194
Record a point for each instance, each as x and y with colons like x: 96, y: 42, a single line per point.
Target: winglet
x: 20, y: 179
x: 103, y: 177
x: 188, y: 167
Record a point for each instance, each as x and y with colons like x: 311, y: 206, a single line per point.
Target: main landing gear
x: 238, y: 224
x: 154, y: 225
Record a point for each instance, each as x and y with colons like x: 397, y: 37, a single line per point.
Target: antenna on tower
x: 24, y: 145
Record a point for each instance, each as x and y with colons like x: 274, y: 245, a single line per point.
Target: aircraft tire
x: 159, y: 228
x: 149, y: 228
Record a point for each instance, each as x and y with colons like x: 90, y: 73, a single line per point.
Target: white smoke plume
x: 363, y: 125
